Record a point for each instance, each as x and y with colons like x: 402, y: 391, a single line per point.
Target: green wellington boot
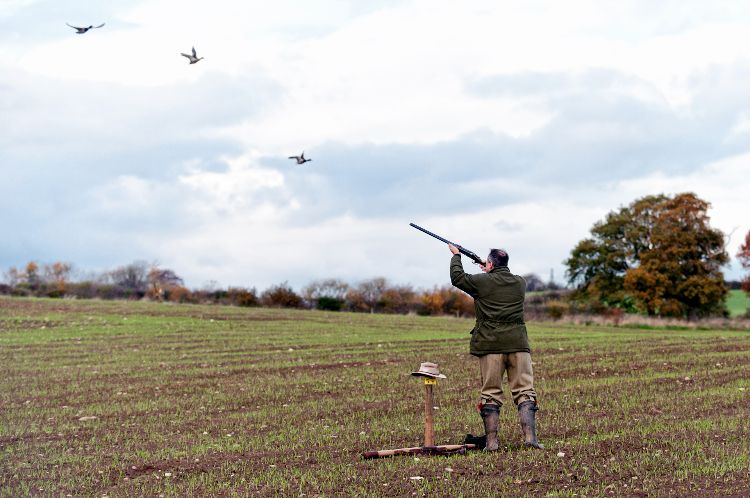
x: 491, y: 417
x: 527, y: 415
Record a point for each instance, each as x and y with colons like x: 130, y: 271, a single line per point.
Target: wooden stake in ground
x: 430, y: 375
x: 429, y: 407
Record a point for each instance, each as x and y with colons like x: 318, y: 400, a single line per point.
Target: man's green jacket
x: 498, y: 301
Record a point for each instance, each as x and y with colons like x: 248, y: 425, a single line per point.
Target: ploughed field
x: 149, y: 399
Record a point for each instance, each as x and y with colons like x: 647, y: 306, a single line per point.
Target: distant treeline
x: 140, y: 280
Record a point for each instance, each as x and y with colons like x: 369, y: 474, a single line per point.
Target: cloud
x: 63, y: 139
x: 602, y: 132
x: 73, y: 117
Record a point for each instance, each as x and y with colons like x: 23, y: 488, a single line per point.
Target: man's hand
x: 453, y: 249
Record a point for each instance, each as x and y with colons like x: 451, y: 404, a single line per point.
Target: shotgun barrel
x: 476, y: 259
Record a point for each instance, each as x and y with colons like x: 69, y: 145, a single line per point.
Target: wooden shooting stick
x: 429, y: 447
x: 429, y: 403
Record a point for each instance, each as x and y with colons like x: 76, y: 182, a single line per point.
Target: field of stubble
x: 148, y: 399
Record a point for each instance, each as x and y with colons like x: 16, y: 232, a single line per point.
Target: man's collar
x: 500, y: 268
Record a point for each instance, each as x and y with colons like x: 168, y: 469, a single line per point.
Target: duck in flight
x: 300, y: 159
x: 82, y: 30
x: 193, y: 58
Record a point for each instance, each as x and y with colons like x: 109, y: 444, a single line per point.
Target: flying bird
x: 300, y: 159
x: 193, y: 58
x: 81, y: 31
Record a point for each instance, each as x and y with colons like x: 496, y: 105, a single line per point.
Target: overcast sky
x: 493, y: 123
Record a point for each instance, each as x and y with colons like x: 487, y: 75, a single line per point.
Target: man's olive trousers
x: 520, y: 377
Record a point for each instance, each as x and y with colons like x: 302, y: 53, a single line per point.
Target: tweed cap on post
x: 428, y: 369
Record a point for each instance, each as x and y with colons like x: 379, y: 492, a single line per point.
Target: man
x: 500, y: 342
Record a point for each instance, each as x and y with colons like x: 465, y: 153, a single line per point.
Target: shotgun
x: 476, y: 259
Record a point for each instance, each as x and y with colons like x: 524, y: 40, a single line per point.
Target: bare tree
x: 330, y: 291
x: 132, y: 278
x: 12, y: 276
x: 370, y: 292
x: 534, y: 282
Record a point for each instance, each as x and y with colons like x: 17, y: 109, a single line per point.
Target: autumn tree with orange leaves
x: 659, y: 256
x: 57, y: 274
x: 164, y: 284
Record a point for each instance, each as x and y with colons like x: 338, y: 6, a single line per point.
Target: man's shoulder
x: 506, y: 277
